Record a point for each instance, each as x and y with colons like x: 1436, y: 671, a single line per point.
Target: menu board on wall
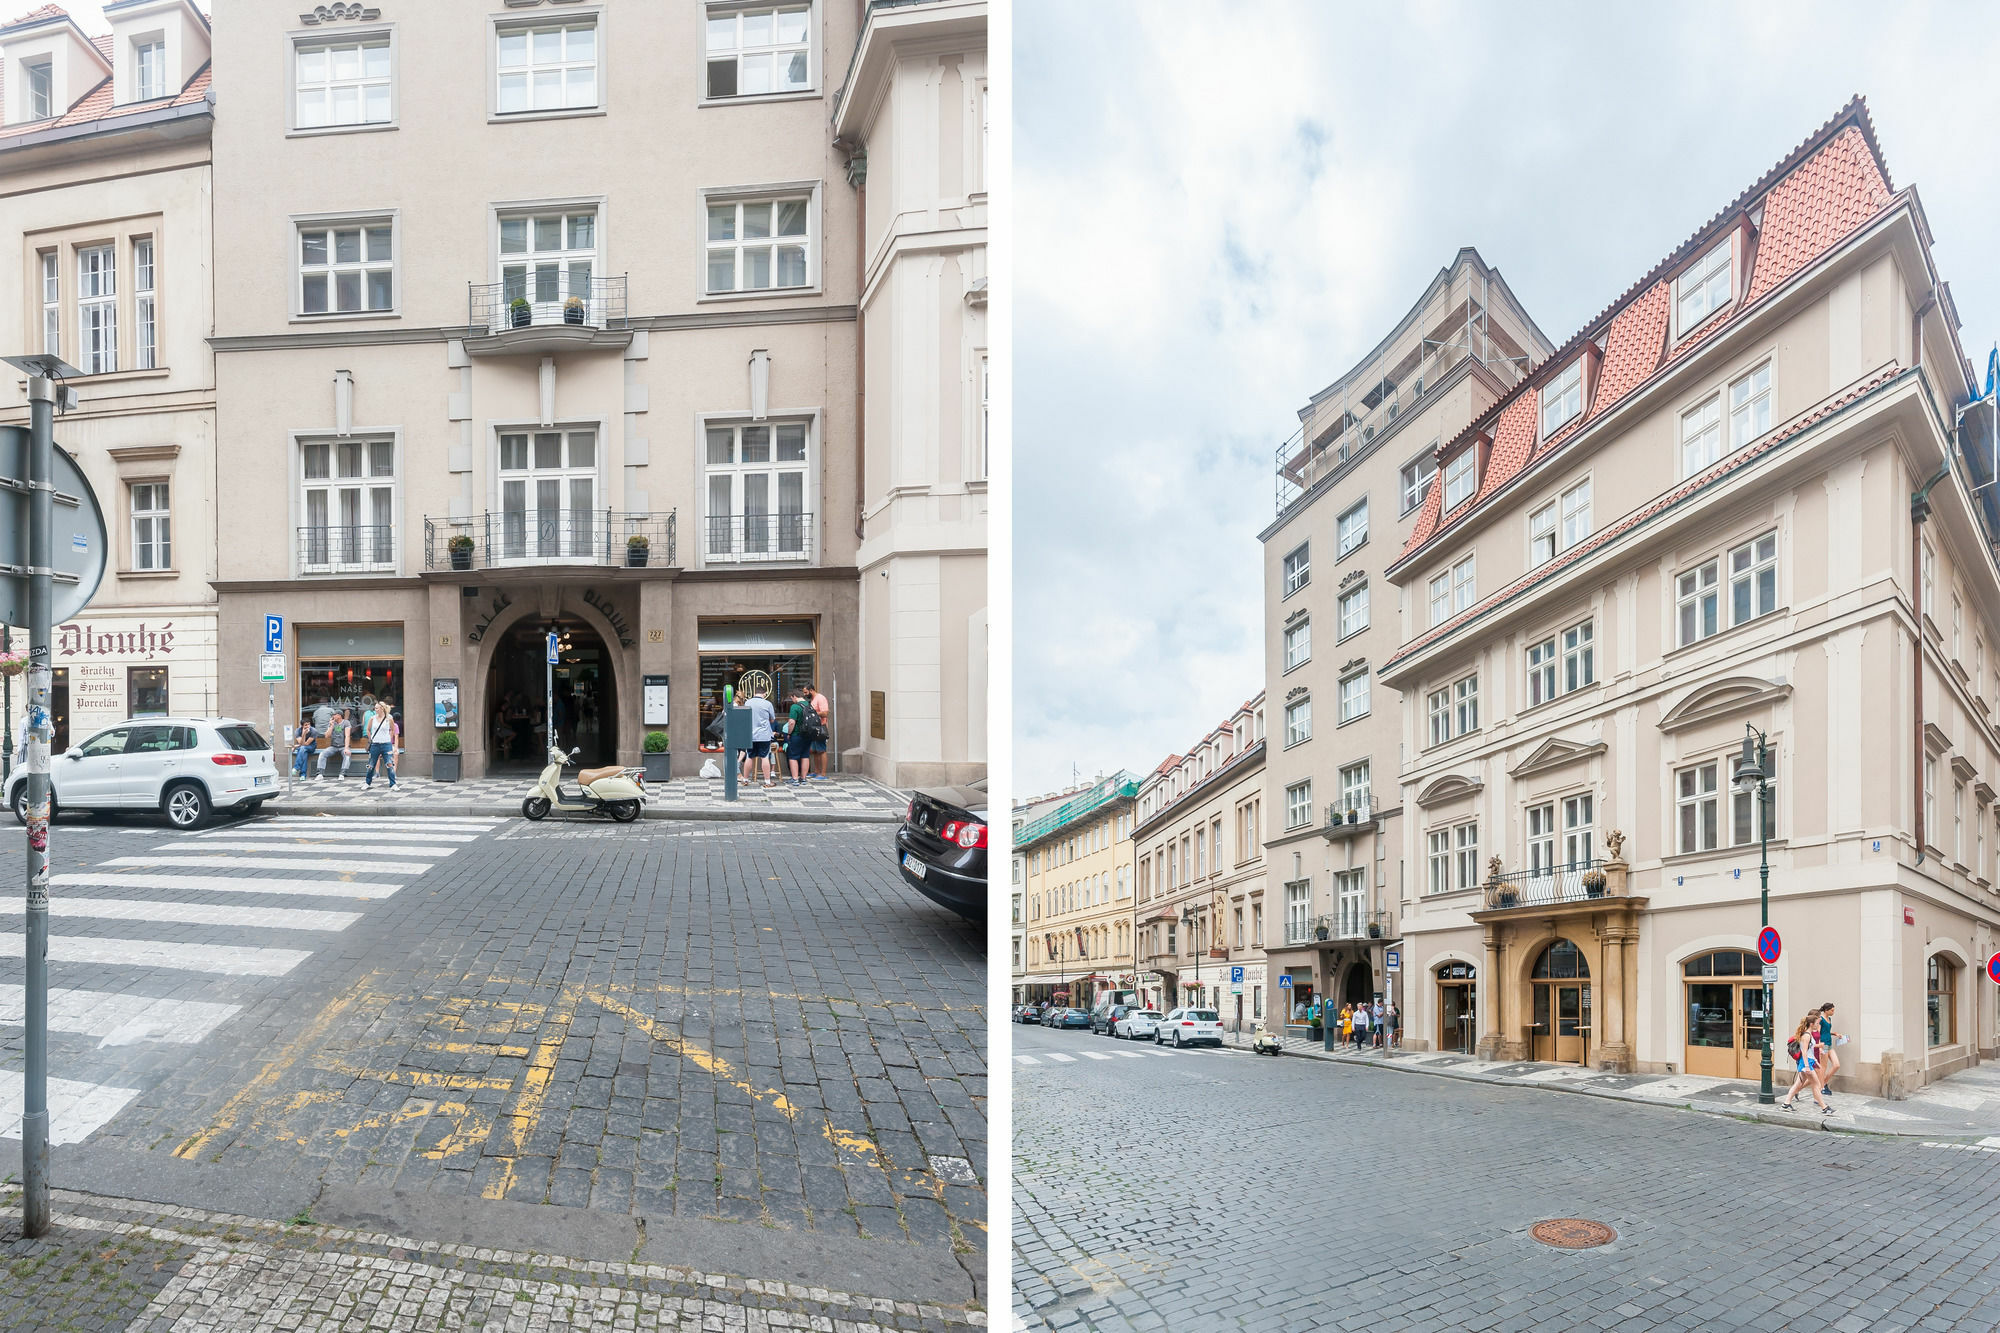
x: 656, y: 701
x: 444, y: 697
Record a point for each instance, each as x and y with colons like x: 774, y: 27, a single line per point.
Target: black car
x: 941, y: 847
x: 1067, y: 1018
x: 1027, y: 1013
x: 1104, y: 1019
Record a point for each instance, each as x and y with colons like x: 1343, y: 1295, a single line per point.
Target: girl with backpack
x: 1804, y: 1048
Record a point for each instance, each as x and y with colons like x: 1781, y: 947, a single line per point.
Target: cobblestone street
x: 1220, y: 1190
x: 739, y: 1048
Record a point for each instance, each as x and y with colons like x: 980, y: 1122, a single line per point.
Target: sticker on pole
x: 1768, y: 944
x: 1993, y: 967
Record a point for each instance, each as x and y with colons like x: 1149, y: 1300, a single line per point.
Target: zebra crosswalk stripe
x: 234, y: 960
x: 295, y: 845
x: 272, y: 863
x: 1130, y: 1055
x: 1062, y: 1059
x: 1095, y: 1055
x: 304, y: 888
x: 441, y: 822
x: 322, y: 834
x: 198, y: 914
x: 120, y: 1020
x: 76, y: 1110
x: 1026, y: 1060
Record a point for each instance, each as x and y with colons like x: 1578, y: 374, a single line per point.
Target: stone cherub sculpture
x: 1614, y: 845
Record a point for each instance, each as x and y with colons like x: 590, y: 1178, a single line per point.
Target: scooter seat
x: 587, y: 776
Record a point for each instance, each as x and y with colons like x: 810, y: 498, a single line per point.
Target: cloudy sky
x: 1221, y: 207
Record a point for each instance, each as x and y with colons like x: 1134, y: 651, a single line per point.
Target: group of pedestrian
x: 800, y: 738
x: 329, y: 732
x: 1814, y: 1049
x: 1369, y: 1023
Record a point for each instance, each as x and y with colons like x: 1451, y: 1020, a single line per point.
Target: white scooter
x: 613, y: 791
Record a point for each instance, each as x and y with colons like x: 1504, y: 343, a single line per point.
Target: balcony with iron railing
x: 1332, y: 928
x: 347, y: 549
x: 1348, y: 821
x: 1545, y: 886
x: 757, y: 537
x: 551, y: 537
x: 547, y: 311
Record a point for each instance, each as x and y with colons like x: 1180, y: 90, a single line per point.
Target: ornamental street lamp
x: 1753, y: 775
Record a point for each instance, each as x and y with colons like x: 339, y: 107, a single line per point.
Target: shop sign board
x: 1769, y: 946
x: 444, y: 703
x: 655, y: 695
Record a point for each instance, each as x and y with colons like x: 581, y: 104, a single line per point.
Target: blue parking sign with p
x: 1236, y: 976
x: 274, y: 634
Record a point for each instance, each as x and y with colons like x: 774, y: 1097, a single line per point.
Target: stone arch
x: 531, y: 601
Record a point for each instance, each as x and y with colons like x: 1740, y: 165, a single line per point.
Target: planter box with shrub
x: 461, y: 552
x: 445, y: 763
x: 659, y: 760
x: 520, y: 312
x: 573, y: 310
x: 637, y: 550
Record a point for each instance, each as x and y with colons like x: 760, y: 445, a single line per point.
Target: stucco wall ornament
x: 333, y: 13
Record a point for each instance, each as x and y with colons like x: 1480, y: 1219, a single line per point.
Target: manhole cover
x: 1572, y: 1233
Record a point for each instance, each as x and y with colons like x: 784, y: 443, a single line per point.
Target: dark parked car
x: 941, y: 847
x: 1103, y: 1020
x: 1068, y: 1018
x: 1027, y: 1013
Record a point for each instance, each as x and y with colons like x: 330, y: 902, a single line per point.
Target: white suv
x: 184, y: 767
x: 1187, y: 1027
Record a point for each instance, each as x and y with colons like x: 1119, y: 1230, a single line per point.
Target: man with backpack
x: 800, y: 732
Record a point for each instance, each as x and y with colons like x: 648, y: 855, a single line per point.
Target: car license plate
x: 265, y: 781
x: 913, y: 865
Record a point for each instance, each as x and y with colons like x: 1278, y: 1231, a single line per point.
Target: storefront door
x: 517, y: 691
x: 1725, y: 1018
x: 1562, y: 1022
x: 1458, y: 1024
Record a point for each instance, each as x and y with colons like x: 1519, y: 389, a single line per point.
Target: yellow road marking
x: 421, y: 1078
x: 469, y: 1048
x: 274, y: 1069
x: 534, y: 1091
x: 708, y: 1061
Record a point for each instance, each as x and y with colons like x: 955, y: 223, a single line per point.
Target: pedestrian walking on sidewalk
x: 1346, y: 1024
x: 1375, y: 1022
x: 818, y: 747
x: 381, y: 734
x: 1804, y: 1048
x: 1829, y: 1044
x: 763, y: 713
x: 798, y: 740
x: 1389, y: 1017
x: 1360, y: 1025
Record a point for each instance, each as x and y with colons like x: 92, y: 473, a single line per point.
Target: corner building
x: 546, y: 318
x: 1078, y: 895
x: 1745, y: 495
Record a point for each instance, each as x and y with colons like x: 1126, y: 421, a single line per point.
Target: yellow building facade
x: 1077, y: 900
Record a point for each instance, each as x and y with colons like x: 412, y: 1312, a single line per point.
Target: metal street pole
x: 41, y: 556
x: 1754, y: 770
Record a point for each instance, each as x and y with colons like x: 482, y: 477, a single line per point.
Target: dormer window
x: 1562, y: 399
x: 41, y: 89
x: 1461, y: 478
x: 149, y: 68
x: 1705, y: 288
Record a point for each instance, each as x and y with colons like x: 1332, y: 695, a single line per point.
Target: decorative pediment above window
x: 1299, y: 614
x: 335, y: 13
x: 1451, y: 787
x: 1934, y: 738
x: 1354, y: 576
x: 1982, y: 793
x: 1297, y: 692
x: 1554, y: 753
x: 1720, y: 698
x: 1352, y: 663
x: 1962, y: 768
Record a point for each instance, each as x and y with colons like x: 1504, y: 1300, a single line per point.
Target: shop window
x: 730, y: 652
x: 756, y: 483
x: 145, y: 691
x: 1941, y: 1001
x: 349, y: 668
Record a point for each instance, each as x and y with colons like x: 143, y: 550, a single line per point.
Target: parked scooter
x: 614, y: 791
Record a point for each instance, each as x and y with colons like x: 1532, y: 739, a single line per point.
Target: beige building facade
x: 105, y: 172
x: 1077, y: 895
x: 1742, y: 498
x: 1199, y: 844
x: 1350, y: 489
x: 545, y: 320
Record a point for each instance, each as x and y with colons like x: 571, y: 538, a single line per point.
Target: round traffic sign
x: 1993, y: 967
x: 1768, y: 944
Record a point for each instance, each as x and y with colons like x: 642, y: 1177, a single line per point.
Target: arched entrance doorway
x: 1562, y: 1005
x: 1458, y: 1007
x: 1359, y: 986
x: 586, y: 696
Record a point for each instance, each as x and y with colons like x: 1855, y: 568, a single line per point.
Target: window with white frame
x: 41, y: 89
x: 1576, y: 513
x: 1353, y: 527
x: 1562, y: 398
x: 1957, y: 628
x: 1298, y: 568
x: 1750, y: 406
x: 1930, y: 577
x: 1350, y: 890
x: 1298, y: 910
x: 760, y: 50
x: 1696, y: 809
x: 547, y: 258
x: 1461, y: 477
x: 51, y: 303
x: 1298, y: 722
x: 1579, y: 816
x: 1466, y: 849
x: 1701, y: 436
x: 1298, y: 644
x: 1699, y: 602
x: 1439, y: 859
x: 1439, y: 707
x: 348, y: 504
x: 1930, y: 799
x: 1356, y: 793
x: 1453, y: 591
x: 143, y: 308
x: 97, y: 309
x: 548, y: 493
x: 1416, y: 479
x: 1465, y: 705
x: 149, y: 66
x: 1705, y: 287
x: 342, y: 83
x: 152, y: 539
x: 346, y: 268
x: 1298, y: 805
x: 1542, y: 672
x: 1354, y: 610
x: 1753, y: 589
x: 1579, y: 656
x: 985, y: 415
x: 546, y: 66
x: 756, y: 482
x: 1542, y: 535
x: 1542, y: 838
x: 1354, y: 695
x: 761, y: 244
x: 1958, y: 822
x: 1743, y: 829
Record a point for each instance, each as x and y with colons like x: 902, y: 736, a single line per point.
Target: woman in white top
x: 381, y: 733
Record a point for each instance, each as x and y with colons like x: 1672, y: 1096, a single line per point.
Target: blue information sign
x: 1285, y: 981
x: 274, y: 634
x: 1236, y: 976
x: 552, y: 647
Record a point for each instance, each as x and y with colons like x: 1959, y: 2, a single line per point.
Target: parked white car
x: 184, y: 767
x: 1137, y: 1024
x: 1189, y: 1027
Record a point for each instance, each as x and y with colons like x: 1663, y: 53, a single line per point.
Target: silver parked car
x: 184, y: 767
x: 1190, y: 1027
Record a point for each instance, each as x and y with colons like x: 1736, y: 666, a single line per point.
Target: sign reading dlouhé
x: 141, y: 642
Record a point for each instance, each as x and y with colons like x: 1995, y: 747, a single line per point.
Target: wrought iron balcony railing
x: 347, y: 548
x: 550, y: 537
x: 547, y: 296
x: 1545, y: 886
x: 752, y: 537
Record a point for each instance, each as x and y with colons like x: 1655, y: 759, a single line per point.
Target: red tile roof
x: 37, y: 15
x: 1659, y: 504
x: 97, y: 105
x: 1818, y: 194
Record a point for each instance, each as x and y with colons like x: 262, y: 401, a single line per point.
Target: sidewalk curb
x: 1755, y: 1115
x: 281, y: 806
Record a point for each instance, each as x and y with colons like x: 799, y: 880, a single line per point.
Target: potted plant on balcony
x: 461, y: 551
x: 520, y: 311
x: 1320, y: 932
x: 573, y: 310
x: 659, y: 760
x: 444, y: 764
x: 638, y: 547
x: 1374, y: 930
x: 1593, y: 883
